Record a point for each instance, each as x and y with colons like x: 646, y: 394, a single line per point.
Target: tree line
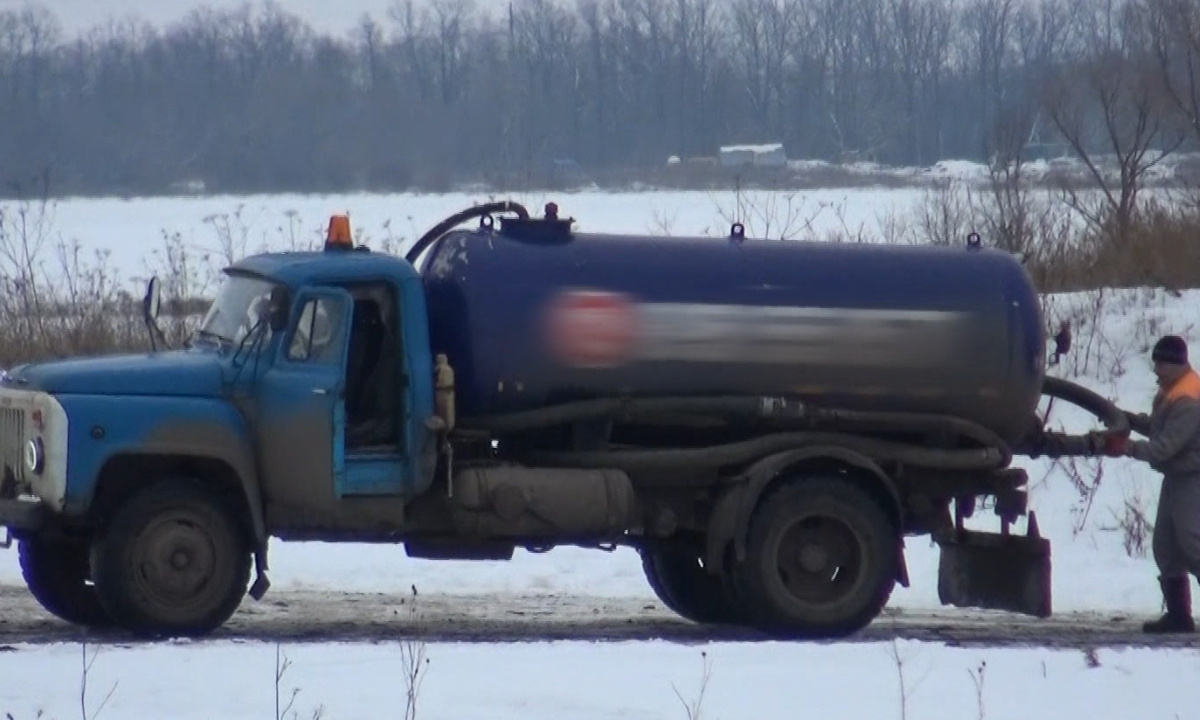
x: 448, y: 91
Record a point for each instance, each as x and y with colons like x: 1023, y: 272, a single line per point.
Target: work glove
x: 1116, y: 445
x: 1108, y: 443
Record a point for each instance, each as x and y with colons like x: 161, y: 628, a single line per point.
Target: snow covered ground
x: 1080, y: 508
x: 618, y: 681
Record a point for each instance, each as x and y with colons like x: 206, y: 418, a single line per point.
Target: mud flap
x: 996, y: 571
x: 261, y: 583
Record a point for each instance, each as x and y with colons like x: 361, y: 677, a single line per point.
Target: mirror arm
x: 151, y: 303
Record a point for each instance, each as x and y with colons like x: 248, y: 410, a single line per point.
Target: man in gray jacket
x: 1173, y: 448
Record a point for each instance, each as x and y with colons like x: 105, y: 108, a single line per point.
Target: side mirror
x: 279, y: 309
x: 152, y: 301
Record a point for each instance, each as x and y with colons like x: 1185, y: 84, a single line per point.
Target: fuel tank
x: 531, y: 314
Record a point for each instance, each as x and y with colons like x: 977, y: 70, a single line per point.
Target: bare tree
x: 921, y: 29
x: 1173, y: 28
x: 1113, y: 103
x: 440, y: 91
x: 987, y: 38
x: 451, y: 18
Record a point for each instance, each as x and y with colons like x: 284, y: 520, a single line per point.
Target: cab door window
x: 313, y: 337
x: 374, y: 390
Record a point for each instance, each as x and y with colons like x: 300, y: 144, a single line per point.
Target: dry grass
x: 692, y: 710
x: 1159, y: 250
x: 56, y: 301
x: 1064, y: 252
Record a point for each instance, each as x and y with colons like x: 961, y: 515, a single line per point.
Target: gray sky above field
x: 326, y: 16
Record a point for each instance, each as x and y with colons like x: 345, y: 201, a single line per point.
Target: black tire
x: 686, y: 588
x: 171, y: 562
x: 821, y: 559
x: 57, y: 573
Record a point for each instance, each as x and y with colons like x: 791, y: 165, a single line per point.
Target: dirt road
x: 324, y: 616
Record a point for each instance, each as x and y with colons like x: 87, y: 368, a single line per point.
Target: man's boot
x: 1177, y: 593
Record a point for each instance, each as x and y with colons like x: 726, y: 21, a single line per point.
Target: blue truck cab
x: 140, y: 486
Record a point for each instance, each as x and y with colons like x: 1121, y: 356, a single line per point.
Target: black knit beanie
x: 1170, y: 349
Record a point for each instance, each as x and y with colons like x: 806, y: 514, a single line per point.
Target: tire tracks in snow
x: 322, y: 616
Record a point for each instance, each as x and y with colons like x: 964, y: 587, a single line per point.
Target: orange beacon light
x: 338, y: 236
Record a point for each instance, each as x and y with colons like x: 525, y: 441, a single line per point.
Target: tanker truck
x: 764, y: 422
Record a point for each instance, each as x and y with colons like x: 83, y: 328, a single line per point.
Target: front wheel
x: 171, y: 561
x: 56, y: 572
x: 821, y: 559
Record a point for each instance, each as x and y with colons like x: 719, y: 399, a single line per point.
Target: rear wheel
x: 56, y: 572
x: 683, y: 584
x: 821, y: 559
x: 172, y: 561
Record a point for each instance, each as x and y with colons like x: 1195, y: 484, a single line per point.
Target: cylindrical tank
x: 532, y: 315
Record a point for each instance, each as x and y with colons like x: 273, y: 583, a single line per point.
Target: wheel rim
x: 820, y: 559
x: 175, y: 561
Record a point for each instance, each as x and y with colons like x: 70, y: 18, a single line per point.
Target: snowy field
x: 133, y: 232
x: 1081, y: 508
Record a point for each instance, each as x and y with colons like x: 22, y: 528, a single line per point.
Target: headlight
x: 35, y: 456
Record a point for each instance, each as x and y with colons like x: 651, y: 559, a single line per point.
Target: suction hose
x: 451, y: 222
x: 821, y: 426
x: 1054, y: 445
x: 1113, y: 417
x: 993, y: 454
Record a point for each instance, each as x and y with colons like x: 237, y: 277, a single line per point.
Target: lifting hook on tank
x: 737, y: 232
x: 974, y: 242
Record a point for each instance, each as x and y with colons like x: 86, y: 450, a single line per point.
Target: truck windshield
x: 240, y: 304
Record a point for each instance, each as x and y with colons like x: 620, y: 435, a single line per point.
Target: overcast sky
x: 328, y: 16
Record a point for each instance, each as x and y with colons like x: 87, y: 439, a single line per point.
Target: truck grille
x: 12, y: 443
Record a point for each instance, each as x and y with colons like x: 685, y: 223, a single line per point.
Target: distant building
x: 187, y: 187
x: 771, y: 155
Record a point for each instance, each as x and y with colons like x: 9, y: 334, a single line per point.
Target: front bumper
x: 22, y: 515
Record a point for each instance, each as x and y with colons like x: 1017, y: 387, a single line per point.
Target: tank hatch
x: 549, y: 228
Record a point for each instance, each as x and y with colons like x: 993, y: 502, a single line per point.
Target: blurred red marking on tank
x: 592, y: 328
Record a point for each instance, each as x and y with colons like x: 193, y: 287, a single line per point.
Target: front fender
x: 104, y: 427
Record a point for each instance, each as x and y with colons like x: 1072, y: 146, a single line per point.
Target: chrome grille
x: 12, y: 441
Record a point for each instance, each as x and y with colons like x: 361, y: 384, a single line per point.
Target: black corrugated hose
x: 458, y: 218
x: 993, y: 453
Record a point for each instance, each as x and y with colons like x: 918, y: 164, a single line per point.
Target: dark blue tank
x: 530, y: 317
